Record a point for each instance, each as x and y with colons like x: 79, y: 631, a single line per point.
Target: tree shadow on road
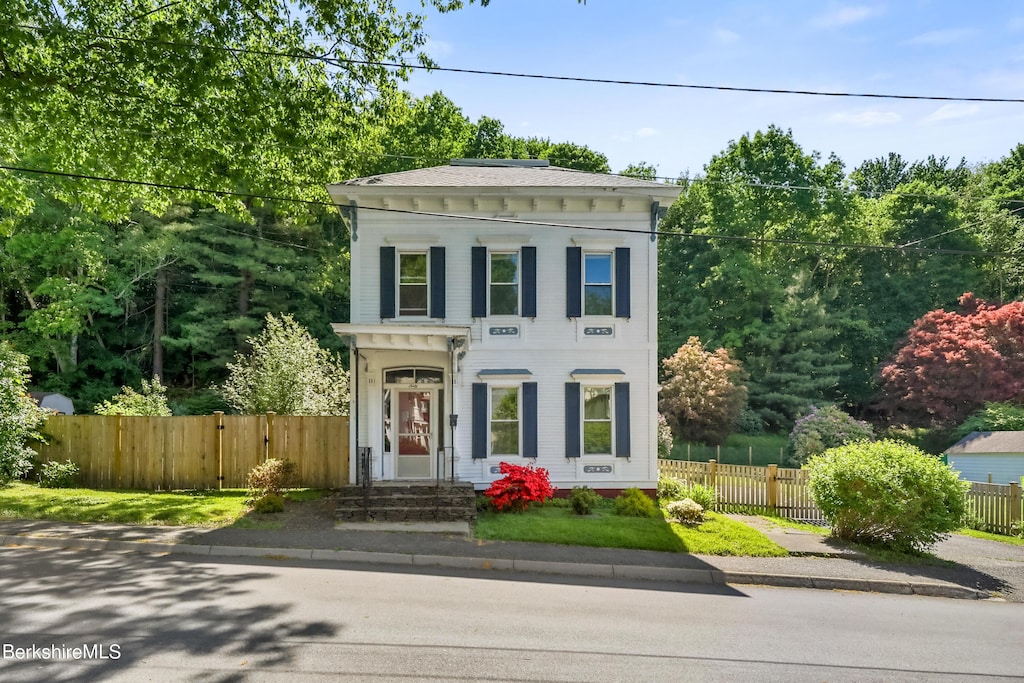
x: 147, y: 605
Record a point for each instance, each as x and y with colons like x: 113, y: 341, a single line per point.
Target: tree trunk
x: 243, y: 292
x: 159, y: 306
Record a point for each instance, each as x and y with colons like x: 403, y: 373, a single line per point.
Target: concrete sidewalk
x: 817, y: 565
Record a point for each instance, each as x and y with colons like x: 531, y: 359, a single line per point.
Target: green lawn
x: 1012, y: 540
x: 737, y: 450
x: 718, y: 535
x: 175, y: 508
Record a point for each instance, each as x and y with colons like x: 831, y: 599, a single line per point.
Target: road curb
x: 670, y: 574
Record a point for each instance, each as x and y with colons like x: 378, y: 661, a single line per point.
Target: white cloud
x: 866, y: 119
x: 948, y: 36
x: 646, y: 133
x: 948, y: 112
x: 837, y: 17
x: 725, y: 36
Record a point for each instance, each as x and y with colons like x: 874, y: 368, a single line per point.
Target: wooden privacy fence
x: 784, y: 492
x: 997, y: 506
x: 196, y: 452
x: 772, y: 489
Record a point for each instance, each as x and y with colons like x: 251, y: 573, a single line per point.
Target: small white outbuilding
x: 980, y: 454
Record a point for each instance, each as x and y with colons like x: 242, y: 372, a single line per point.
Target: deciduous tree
x: 703, y: 393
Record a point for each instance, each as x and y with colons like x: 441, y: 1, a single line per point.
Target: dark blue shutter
x: 529, y: 280
x: 573, y: 282
x: 479, y: 276
x: 622, y: 419
x: 573, y: 426
x: 529, y: 419
x: 622, y: 282
x: 480, y: 420
x: 387, y: 282
x: 437, y: 270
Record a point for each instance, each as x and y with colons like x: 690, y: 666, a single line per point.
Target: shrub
x: 670, y: 488
x: 58, y: 475
x: 994, y: 417
x: 152, y: 401
x: 270, y: 503
x: 584, y: 499
x: 664, y: 437
x: 633, y: 502
x: 270, y: 476
x: 520, y: 486
x: 20, y: 417
x: 749, y: 423
x: 686, y: 511
x: 888, y: 493
x: 821, y: 429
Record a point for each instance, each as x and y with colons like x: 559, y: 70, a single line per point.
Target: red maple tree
x: 952, y: 363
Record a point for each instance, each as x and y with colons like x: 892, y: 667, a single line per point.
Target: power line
x: 517, y: 221
x: 339, y: 61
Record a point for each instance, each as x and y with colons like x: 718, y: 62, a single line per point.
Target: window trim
x: 610, y: 388
x: 425, y: 253
x: 610, y: 253
x: 491, y: 386
x: 518, y: 284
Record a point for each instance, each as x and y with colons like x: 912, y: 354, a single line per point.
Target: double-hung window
x: 597, y: 284
x: 504, y: 280
x: 413, y: 288
x: 504, y: 283
x: 504, y: 420
x: 597, y: 415
x: 412, y: 282
x: 597, y: 281
x: 504, y: 414
x: 597, y: 420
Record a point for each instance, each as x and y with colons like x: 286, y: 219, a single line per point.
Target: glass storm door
x: 414, y: 429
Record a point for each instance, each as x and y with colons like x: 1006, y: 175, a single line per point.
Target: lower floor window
x: 504, y: 420
x: 597, y: 420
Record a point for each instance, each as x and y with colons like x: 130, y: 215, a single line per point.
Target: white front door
x: 414, y: 423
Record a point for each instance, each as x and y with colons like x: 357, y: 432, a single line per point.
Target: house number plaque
x: 598, y: 331
x: 597, y: 469
x: 496, y: 469
x: 504, y: 331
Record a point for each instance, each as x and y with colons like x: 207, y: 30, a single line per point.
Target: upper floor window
x: 504, y: 281
x: 412, y: 282
x: 597, y: 284
x: 413, y: 287
x: 504, y: 284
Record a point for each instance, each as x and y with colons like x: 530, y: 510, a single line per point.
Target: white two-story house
x: 504, y: 311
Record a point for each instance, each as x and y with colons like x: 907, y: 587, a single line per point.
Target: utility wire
x: 517, y: 221
x: 339, y: 61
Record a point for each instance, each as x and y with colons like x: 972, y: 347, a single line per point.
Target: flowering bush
x: 824, y: 428
x: 686, y: 511
x: 520, y: 486
x: 664, y: 437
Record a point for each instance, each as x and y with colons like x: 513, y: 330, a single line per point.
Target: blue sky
x: 925, y: 47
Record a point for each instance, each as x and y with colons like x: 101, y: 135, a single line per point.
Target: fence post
x: 772, y: 479
x: 712, y: 472
x: 1014, y: 502
x: 118, y: 455
x: 750, y: 456
x: 219, y: 414
x: 268, y: 452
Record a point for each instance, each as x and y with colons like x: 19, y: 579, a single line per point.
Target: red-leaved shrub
x: 520, y: 486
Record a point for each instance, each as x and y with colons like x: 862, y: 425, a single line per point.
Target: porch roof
x: 404, y: 337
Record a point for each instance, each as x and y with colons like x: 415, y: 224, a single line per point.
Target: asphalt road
x: 202, y: 620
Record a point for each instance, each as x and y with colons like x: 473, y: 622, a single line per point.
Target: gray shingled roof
x: 988, y: 442
x: 488, y: 174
